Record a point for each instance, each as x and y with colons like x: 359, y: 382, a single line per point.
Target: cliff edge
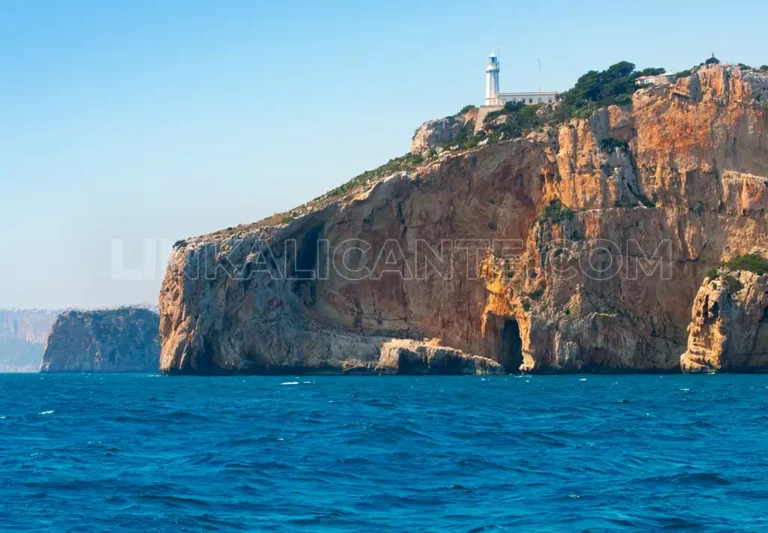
x: 570, y: 246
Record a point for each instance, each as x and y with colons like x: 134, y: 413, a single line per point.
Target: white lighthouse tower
x: 492, y: 80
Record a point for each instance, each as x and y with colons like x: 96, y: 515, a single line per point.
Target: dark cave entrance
x: 511, y: 348
x: 306, y: 256
x: 305, y: 270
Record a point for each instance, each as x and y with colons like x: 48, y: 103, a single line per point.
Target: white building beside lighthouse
x: 494, y: 98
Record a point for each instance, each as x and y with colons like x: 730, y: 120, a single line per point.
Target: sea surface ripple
x: 542, y: 453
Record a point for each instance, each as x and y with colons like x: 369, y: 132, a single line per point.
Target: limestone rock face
x: 577, y: 247
x: 729, y: 326
x: 409, y: 357
x: 437, y: 132
x: 119, y: 340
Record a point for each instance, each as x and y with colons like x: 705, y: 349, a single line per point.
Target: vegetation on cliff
x: 555, y: 213
x: 595, y: 89
x: 520, y: 119
x: 749, y: 262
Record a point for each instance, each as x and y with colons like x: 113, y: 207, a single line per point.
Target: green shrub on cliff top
x: 595, y: 89
x: 750, y: 262
x: 510, y: 108
x: 521, y: 119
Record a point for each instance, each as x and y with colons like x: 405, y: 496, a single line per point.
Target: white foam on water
x: 583, y: 379
x: 289, y: 383
x: 685, y: 389
x: 47, y: 412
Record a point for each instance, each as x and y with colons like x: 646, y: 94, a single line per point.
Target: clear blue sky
x: 132, y: 120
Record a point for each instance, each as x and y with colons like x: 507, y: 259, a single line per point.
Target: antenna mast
x: 539, y: 75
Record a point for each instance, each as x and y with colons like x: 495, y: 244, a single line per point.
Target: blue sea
x: 542, y: 453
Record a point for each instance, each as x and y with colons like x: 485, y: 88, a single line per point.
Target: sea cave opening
x: 511, y: 349
x: 306, y: 256
x: 306, y: 265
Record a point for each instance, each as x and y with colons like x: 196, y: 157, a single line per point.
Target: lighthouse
x: 492, y: 80
x: 495, y: 99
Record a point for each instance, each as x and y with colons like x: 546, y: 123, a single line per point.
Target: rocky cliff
x: 729, y: 324
x: 117, y: 340
x: 435, y: 134
x: 578, y: 246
